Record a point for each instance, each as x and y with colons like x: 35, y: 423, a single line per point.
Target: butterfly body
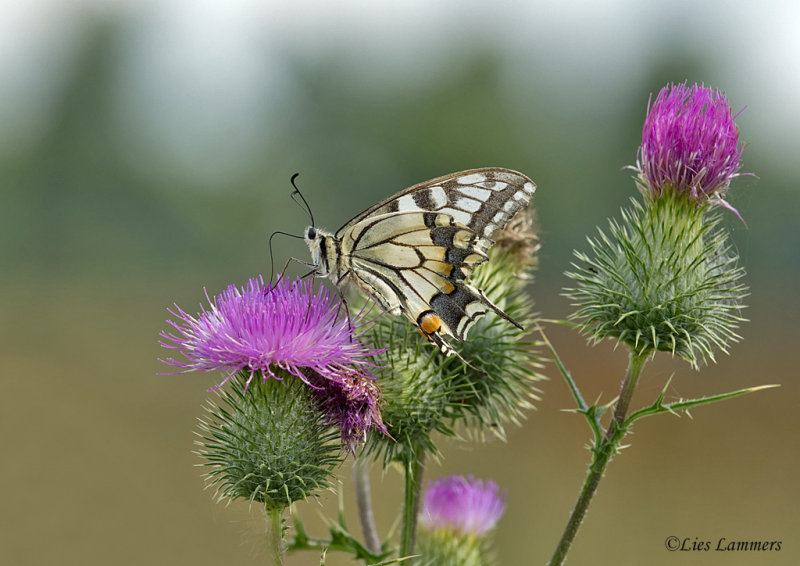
x: 414, y: 252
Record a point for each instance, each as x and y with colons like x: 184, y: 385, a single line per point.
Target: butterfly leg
x: 430, y: 325
x: 343, y: 303
x: 283, y: 271
x: 447, y: 349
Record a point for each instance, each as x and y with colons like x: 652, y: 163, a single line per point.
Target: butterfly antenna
x: 297, y: 192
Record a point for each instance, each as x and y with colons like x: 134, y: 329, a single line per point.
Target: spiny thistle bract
x: 436, y: 548
x: 664, y: 278
x: 502, y: 385
x: 268, y: 441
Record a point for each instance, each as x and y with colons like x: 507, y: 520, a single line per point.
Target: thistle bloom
x: 464, y: 505
x: 262, y: 328
x: 665, y: 277
x: 690, y: 144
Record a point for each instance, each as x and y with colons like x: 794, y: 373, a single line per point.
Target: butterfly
x: 413, y: 253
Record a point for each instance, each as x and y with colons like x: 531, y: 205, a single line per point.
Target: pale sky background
x: 181, y: 50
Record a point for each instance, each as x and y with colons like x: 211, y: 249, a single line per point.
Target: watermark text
x: 721, y: 544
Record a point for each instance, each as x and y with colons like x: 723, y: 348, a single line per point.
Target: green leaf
x: 340, y: 540
x: 591, y: 413
x: 685, y: 405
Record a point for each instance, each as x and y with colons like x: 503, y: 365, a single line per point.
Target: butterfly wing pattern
x: 414, y: 252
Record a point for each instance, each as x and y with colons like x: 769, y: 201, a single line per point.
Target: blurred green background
x: 146, y: 150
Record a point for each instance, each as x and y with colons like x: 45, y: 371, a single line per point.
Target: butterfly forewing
x: 478, y: 198
x: 414, y: 251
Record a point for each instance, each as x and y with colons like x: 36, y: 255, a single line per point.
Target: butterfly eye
x: 311, y: 233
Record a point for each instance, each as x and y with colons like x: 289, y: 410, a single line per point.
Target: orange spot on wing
x: 430, y: 324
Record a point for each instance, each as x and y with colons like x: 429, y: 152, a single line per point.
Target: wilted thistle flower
x: 457, y: 514
x: 665, y: 277
x: 519, y: 243
x: 352, y: 402
x: 258, y: 329
x: 690, y: 144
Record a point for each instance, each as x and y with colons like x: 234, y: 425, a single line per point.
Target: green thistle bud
x: 425, y: 391
x: 448, y: 547
x: 268, y: 441
x: 414, y: 392
x: 665, y: 278
x: 501, y: 385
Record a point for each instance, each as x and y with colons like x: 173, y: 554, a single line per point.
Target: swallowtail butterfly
x: 413, y: 253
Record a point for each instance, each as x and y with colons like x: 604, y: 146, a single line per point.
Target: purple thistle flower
x: 352, y: 402
x: 690, y: 144
x: 466, y: 505
x: 262, y: 328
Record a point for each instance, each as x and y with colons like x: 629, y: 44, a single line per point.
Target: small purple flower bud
x: 262, y: 328
x: 690, y: 144
x: 465, y: 505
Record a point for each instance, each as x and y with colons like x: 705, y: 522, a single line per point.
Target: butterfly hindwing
x: 414, y: 252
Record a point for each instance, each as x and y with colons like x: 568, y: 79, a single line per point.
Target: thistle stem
x: 364, y: 502
x: 602, y: 453
x: 636, y: 363
x: 275, y: 542
x: 414, y: 467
